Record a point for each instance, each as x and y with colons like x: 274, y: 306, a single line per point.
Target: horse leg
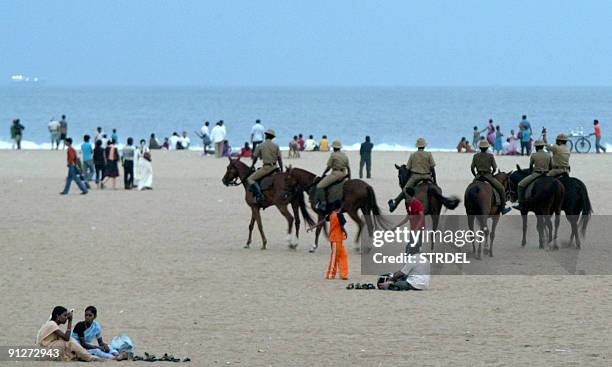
x: 495, y: 220
x: 285, y: 212
x: 435, y: 220
x: 296, y: 218
x: 557, y: 221
x: 471, y: 227
x: 251, y: 226
x: 260, y: 227
x: 549, y: 226
x: 524, y: 218
x: 317, y: 233
x: 540, y: 227
x: 353, y: 214
x: 573, y: 219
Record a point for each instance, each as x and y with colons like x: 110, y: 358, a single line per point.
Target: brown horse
x: 237, y: 173
x: 480, y: 205
x: 430, y: 195
x: 356, y: 195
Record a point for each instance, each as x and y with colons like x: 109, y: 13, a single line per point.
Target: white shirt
x: 310, y: 144
x: 54, y: 126
x: 104, y: 142
x: 173, y: 140
x: 204, y: 130
x: 217, y: 134
x: 417, y: 273
x: 257, y: 132
x: 185, y: 142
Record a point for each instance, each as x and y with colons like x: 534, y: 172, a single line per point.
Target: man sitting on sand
x: 414, y: 274
x: 464, y: 146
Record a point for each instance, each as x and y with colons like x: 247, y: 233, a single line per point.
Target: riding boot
x: 394, y: 203
x: 256, y: 190
x: 521, y: 199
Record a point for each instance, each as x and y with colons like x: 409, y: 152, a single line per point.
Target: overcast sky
x: 297, y: 43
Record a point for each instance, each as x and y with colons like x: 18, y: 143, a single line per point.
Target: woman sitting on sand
x: 51, y: 336
x: 245, y: 151
x: 88, y: 332
x: 464, y: 146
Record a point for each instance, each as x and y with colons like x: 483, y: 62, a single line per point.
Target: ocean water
x: 393, y: 117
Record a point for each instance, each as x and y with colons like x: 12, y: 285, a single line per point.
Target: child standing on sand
x: 338, y: 257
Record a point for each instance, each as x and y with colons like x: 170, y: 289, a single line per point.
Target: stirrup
x: 321, y: 206
x: 392, y: 205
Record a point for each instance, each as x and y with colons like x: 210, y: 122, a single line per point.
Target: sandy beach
x: 167, y: 267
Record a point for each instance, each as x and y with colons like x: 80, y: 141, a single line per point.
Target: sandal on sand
x: 358, y: 286
x: 187, y: 360
x: 150, y: 358
x: 350, y: 286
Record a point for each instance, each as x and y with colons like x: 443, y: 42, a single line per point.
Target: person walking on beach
x: 217, y: 136
x: 257, y: 134
x: 54, y: 130
x: 145, y: 169
x: 99, y: 158
x: 87, y: 156
x: 491, y: 133
x: 597, y: 133
x: 270, y: 154
x: 365, y: 157
x: 17, y: 133
x: 422, y: 167
x: 127, y: 161
x: 525, y: 136
x: 204, y: 134
x: 71, y: 159
x: 111, y: 170
x: 338, y: 257
x: 63, y: 130
x: 294, y: 148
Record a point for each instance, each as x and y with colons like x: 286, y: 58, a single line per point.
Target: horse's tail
x: 451, y: 202
x: 587, y: 209
x: 304, y: 210
x: 372, y: 207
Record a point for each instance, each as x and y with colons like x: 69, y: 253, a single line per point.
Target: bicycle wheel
x: 583, y: 145
x: 570, y: 145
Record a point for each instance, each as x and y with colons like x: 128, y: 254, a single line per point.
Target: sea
x: 394, y: 117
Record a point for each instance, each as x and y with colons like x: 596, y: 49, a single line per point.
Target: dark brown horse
x: 238, y: 172
x: 356, y: 195
x: 430, y: 195
x: 574, y: 202
x: 546, y: 199
x: 480, y: 205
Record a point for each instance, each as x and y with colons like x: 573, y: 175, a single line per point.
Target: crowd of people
x: 515, y: 144
x: 100, y: 163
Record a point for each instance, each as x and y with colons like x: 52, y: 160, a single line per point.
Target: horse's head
x: 403, y: 174
x: 514, y: 177
x: 232, y: 173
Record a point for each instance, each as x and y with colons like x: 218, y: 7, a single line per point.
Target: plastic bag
x: 122, y: 343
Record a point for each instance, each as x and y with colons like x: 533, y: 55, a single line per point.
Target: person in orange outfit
x: 338, y: 258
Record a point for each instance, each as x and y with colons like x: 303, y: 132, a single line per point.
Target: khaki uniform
x: 268, y: 152
x: 485, y: 165
x: 339, y: 163
x: 540, y: 162
x: 560, y: 159
x: 420, y: 164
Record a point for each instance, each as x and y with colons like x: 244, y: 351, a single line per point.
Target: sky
x: 308, y: 43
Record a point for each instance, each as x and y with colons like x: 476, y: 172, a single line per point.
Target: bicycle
x: 581, y: 142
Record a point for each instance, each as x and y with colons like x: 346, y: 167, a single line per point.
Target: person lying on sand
x: 413, y: 275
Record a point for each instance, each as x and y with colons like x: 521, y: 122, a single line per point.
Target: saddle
x: 333, y: 193
x: 529, y: 188
x: 266, y: 182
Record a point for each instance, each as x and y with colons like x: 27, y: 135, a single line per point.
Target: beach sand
x: 167, y: 267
